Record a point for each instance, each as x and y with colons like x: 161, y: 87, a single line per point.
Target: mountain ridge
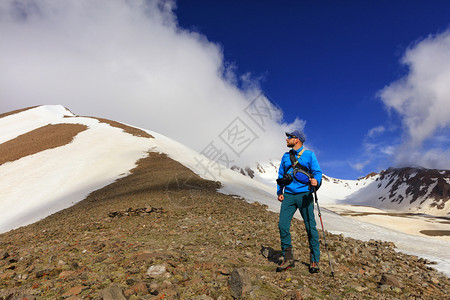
x: 176, y: 222
x: 396, y: 189
x: 407, y: 189
x: 172, y: 219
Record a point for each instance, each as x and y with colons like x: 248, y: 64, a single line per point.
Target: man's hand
x: 314, y: 182
x: 280, y: 197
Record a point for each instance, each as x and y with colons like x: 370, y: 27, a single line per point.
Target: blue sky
x: 324, y: 62
x: 368, y: 81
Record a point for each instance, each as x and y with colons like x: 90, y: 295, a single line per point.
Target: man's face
x: 291, y: 141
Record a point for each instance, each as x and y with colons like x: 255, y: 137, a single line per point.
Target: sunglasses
x: 291, y: 137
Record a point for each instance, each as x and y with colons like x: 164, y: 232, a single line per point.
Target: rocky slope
x: 164, y: 233
x: 421, y: 187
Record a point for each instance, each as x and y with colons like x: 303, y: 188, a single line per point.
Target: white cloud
x: 422, y: 99
x: 388, y: 150
x: 360, y: 165
x: 376, y: 131
x: 131, y: 62
x: 434, y: 158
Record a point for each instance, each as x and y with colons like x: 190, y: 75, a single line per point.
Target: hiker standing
x: 295, y: 193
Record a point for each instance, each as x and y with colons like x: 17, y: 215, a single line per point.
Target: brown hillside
x: 51, y: 136
x: 164, y: 216
x: 128, y: 129
x: 40, y: 139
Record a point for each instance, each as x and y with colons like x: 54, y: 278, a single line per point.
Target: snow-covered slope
x: 406, y: 189
x: 37, y: 185
x: 40, y: 184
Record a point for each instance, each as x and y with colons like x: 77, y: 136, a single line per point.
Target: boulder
x: 240, y: 283
x: 390, y: 280
x: 113, y: 292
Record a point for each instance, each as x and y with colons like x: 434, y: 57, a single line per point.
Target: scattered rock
x: 154, y: 288
x: 42, y: 273
x: 360, y: 288
x: 135, y: 212
x: 112, y: 293
x: 24, y: 296
x: 390, y: 280
x: 383, y: 287
x: 202, y: 297
x: 156, y: 271
x: 224, y: 271
x: 7, y: 274
x: 293, y: 295
x: 434, y: 280
x: 66, y: 274
x: 140, y: 287
x: 240, y: 283
x: 4, y: 255
x: 76, y: 290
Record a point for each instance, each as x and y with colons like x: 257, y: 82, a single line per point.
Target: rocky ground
x: 164, y: 233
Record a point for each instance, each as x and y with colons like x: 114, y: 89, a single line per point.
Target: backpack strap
x: 296, y: 165
x: 294, y: 160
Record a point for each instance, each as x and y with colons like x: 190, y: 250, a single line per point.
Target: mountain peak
x: 370, y: 175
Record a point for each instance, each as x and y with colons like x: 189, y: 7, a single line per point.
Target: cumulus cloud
x: 422, y: 99
x: 131, y: 62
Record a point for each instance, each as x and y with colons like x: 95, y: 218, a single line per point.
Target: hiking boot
x: 288, y: 261
x: 285, y: 265
x: 314, y: 267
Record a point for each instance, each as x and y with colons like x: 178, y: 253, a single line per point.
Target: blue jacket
x: 309, y: 160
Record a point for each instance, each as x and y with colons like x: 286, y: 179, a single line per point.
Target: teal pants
x: 305, y: 203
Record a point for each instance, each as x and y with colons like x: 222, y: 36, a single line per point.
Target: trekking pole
x: 323, y: 230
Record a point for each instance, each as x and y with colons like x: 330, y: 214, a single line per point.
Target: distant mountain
x: 263, y: 172
x: 409, y: 189
x: 425, y: 189
x: 404, y: 189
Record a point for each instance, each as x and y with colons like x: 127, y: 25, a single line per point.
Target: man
x: 298, y: 195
